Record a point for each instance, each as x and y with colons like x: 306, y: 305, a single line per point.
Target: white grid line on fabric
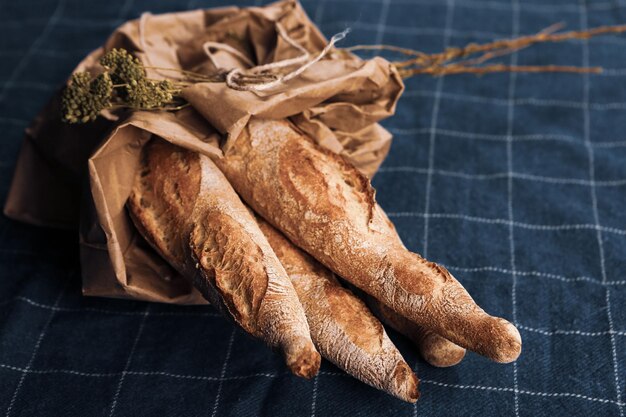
x: 382, y: 22
x: 139, y: 373
x: 506, y: 222
x: 29, y: 365
x: 612, y: 334
x: 527, y: 101
x: 594, y: 200
x: 501, y: 138
x: 200, y: 377
x: 516, y: 175
x: 120, y: 383
x: 268, y: 375
x: 509, y: 157
x: 521, y: 391
x: 434, y: 120
x: 537, y: 274
x: 229, y: 350
x: 21, y: 65
x: 316, y: 381
x: 570, y: 332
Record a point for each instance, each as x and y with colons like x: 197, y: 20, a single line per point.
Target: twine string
x: 262, y: 77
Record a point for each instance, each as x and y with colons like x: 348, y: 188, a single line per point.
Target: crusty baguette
x: 436, y: 350
x: 342, y: 328
x: 325, y: 206
x: 187, y: 210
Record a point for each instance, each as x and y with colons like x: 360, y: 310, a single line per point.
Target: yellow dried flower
x: 85, y: 97
x: 123, y: 67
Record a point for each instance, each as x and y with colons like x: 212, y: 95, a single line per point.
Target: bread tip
x: 405, y: 384
x: 306, y: 363
x: 511, y: 345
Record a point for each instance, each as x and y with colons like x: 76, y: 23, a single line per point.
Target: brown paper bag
x: 81, y: 175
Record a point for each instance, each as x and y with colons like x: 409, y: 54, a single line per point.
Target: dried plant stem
x: 497, y: 53
x: 192, y: 76
x: 443, y: 63
x: 488, y: 69
x: 523, y: 41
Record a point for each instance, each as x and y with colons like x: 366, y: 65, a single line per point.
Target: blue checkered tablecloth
x: 515, y: 182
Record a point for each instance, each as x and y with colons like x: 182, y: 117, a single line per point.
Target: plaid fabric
x: 517, y: 183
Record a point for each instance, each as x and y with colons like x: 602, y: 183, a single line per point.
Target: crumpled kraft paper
x: 81, y: 175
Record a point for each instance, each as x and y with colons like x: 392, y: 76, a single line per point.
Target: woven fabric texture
x: 515, y: 182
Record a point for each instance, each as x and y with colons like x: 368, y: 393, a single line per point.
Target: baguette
x: 189, y: 213
x: 326, y: 207
x: 342, y: 328
x: 436, y: 350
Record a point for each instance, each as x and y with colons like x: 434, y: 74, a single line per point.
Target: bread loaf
x: 188, y: 212
x: 326, y: 207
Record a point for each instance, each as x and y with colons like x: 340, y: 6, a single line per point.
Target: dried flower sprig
x: 123, y: 84
x: 85, y: 97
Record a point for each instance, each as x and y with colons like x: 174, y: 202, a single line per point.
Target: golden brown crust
x: 342, y: 327
x: 186, y: 209
x: 321, y: 206
x: 236, y: 264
